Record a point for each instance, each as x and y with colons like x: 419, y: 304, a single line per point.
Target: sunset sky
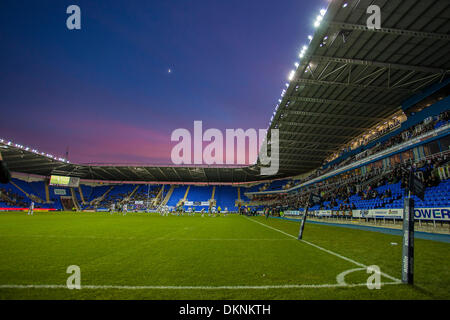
x: 106, y: 92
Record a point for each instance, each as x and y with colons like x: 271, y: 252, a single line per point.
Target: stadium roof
x: 21, y: 160
x: 349, y: 79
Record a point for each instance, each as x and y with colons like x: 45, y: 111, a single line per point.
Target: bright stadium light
x: 297, y: 65
x: 292, y: 75
x: 323, y: 12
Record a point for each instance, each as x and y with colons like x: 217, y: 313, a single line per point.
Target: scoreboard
x: 63, y: 181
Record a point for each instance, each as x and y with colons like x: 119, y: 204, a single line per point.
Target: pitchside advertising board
x: 60, y: 192
x: 419, y: 213
x: 439, y: 214
x: 197, y: 203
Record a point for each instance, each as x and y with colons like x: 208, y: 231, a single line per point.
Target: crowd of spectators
x: 418, y: 130
x: 344, y: 186
x: 119, y: 199
x: 13, y: 199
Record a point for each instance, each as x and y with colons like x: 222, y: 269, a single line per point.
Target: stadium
x: 365, y: 109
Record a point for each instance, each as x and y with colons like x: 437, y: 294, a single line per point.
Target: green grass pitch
x: 147, y: 256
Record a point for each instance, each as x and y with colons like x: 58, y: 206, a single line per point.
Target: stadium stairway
x: 177, y: 196
x: 74, y: 199
x: 158, y: 195
x: 80, y: 191
x: 27, y: 189
x: 213, y: 193
x: 133, y: 192
x: 186, y: 193
x: 168, y: 196
x: 47, y: 193
x: 99, y: 199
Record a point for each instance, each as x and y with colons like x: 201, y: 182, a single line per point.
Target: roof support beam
x: 396, y: 32
x: 10, y: 155
x: 298, y: 166
x: 162, y: 173
x: 377, y: 64
x: 312, y: 150
x: 352, y: 85
x: 23, y: 166
x: 293, y: 142
x: 150, y: 174
x: 314, y: 134
x: 112, y: 177
x: 299, y: 160
x: 120, y: 172
x: 331, y: 115
x: 325, y: 126
x: 133, y: 172
x: 299, y: 157
x: 343, y: 102
x: 95, y: 173
x: 176, y: 173
x: 297, y: 170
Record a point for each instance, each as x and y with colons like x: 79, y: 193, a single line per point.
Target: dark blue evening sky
x: 105, y: 90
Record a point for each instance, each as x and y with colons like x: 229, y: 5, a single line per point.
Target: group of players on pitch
x: 165, y: 210
x: 121, y: 208
x: 212, y: 211
x: 180, y: 211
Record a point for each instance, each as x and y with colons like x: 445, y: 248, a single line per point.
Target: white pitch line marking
x: 105, y: 287
x: 341, y: 276
x: 325, y: 250
x: 137, y: 238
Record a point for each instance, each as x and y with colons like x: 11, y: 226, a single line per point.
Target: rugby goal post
x: 313, y: 199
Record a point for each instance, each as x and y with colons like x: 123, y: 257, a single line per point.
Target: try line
x: 117, y: 287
